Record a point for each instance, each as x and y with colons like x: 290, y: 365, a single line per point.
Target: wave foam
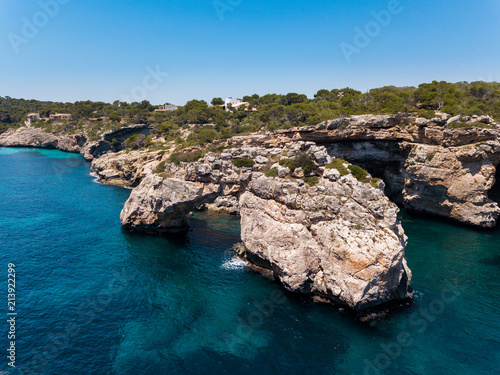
x: 234, y: 264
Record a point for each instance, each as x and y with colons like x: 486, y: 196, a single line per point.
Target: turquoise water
x: 94, y: 299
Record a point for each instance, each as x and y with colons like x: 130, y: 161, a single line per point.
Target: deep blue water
x: 94, y: 299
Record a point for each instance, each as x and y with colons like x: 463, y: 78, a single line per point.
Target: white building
x: 234, y: 103
x: 166, y: 107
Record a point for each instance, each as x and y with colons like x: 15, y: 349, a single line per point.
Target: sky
x: 177, y: 50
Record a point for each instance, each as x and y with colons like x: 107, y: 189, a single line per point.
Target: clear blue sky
x: 101, y: 49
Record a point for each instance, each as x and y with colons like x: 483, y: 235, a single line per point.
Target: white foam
x: 96, y: 177
x: 418, y: 295
x: 234, y: 264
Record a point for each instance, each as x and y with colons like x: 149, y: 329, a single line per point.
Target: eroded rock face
x: 338, y: 240
x: 38, y: 138
x: 125, y: 168
x: 111, y: 141
x: 160, y: 205
x: 453, y: 182
x: 426, y: 166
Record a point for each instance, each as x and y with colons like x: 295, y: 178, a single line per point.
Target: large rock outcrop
x: 161, y: 205
x: 38, y: 138
x: 427, y: 166
x: 339, y: 240
x: 125, y: 168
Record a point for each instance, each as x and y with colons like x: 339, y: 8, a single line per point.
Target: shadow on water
x: 406, y: 215
x: 207, y: 319
x: 493, y: 261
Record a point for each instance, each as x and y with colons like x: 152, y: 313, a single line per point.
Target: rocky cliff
x: 427, y: 166
x: 335, y: 237
x: 79, y: 143
x: 324, y: 229
x: 38, y: 138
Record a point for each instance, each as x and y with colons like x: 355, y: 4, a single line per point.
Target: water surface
x: 95, y: 299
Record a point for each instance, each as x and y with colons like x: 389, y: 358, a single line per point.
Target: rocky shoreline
x: 330, y: 231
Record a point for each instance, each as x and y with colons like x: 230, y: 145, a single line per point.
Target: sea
x: 88, y: 297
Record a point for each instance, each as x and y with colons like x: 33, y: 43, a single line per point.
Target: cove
x: 95, y: 299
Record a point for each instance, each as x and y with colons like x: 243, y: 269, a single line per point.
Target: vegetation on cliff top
x: 273, y: 111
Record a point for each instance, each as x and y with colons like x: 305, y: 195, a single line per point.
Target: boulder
x: 339, y: 241
x: 161, y: 205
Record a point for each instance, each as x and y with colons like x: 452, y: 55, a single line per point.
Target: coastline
x: 145, y: 166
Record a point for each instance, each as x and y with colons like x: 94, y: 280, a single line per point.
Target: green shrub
x: 207, y: 135
x: 243, y: 162
x: 428, y: 114
x: 312, y: 181
x: 359, y: 173
x: 338, y: 164
x: 272, y: 173
x: 135, y: 142
x: 160, y: 168
x: 185, y: 157
x: 374, y: 182
x: 303, y: 161
x: 430, y: 157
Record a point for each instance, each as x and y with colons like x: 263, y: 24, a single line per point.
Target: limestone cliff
x: 110, y: 141
x: 338, y: 239
x: 38, y: 138
x: 427, y: 166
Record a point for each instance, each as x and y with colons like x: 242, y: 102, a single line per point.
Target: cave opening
x: 382, y: 159
x: 494, y: 193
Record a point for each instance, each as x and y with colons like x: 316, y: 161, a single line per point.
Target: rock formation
x: 426, y: 166
x: 161, y: 205
x: 79, y: 143
x: 38, y: 138
x: 338, y: 240
x: 125, y: 168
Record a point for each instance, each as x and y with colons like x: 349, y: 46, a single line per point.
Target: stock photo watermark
x: 419, y: 321
x: 11, y: 314
x: 32, y: 25
x: 372, y: 29
x: 150, y: 82
x: 224, y: 6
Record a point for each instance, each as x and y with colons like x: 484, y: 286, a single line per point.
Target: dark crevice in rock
x: 494, y: 193
x: 382, y: 159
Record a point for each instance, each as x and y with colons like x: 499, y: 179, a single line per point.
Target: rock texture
x: 339, y: 240
x: 38, y: 138
x: 426, y: 166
